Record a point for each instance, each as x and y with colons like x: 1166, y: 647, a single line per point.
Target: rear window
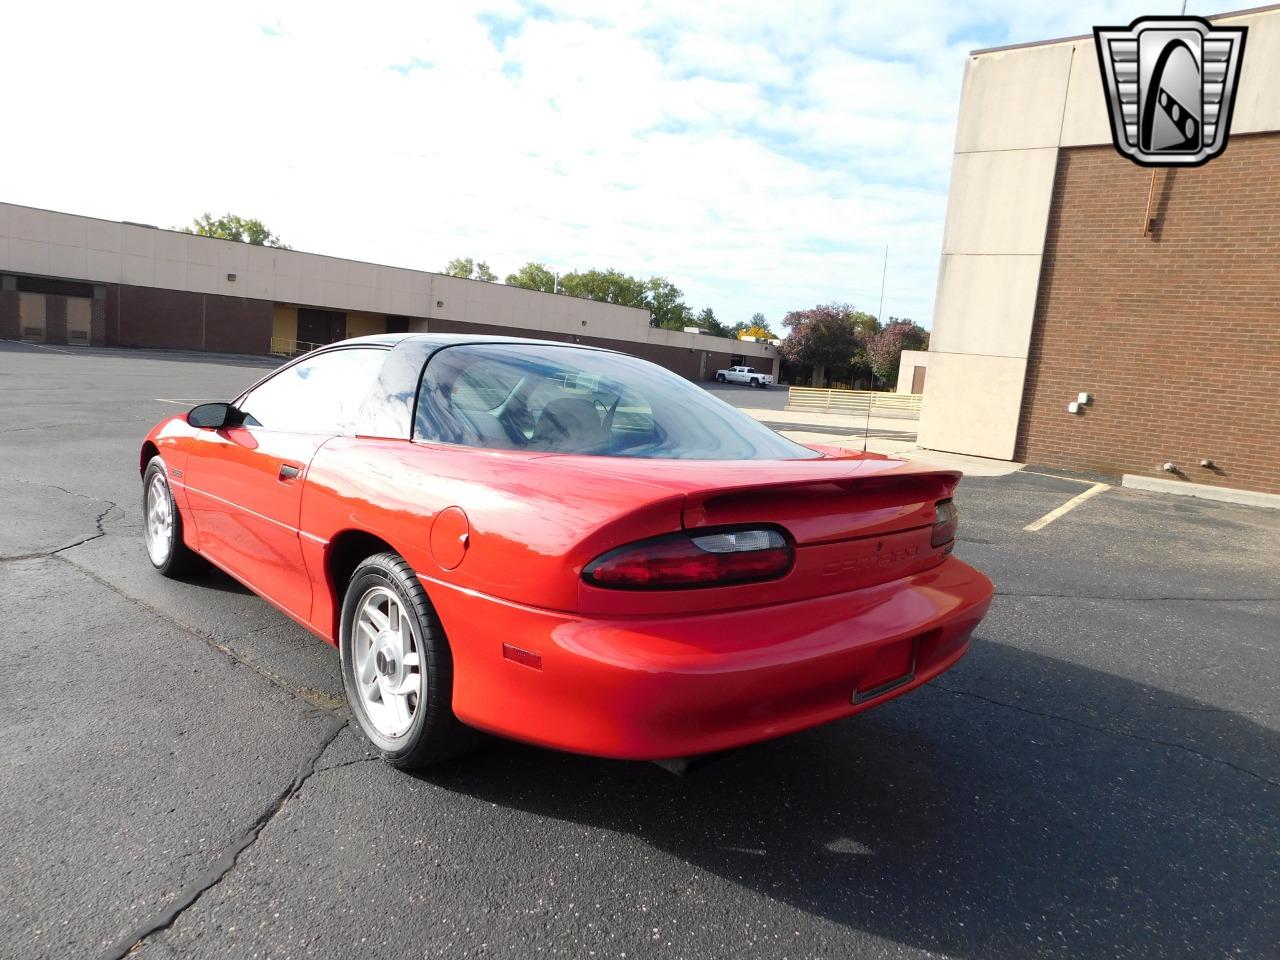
x: 570, y: 400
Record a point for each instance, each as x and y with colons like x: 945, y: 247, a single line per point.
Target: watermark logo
x: 1170, y: 84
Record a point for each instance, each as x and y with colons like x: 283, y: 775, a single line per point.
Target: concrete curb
x: 1248, y: 498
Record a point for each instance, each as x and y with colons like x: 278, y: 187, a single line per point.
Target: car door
x: 244, y: 481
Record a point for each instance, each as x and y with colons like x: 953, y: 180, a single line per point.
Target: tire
x: 162, y: 526
x: 755, y: 382
x: 722, y: 378
x: 406, y: 714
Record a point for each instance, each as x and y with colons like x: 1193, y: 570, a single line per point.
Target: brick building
x: 67, y: 279
x: 1054, y: 282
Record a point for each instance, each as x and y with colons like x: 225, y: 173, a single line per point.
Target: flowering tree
x: 884, y: 349
x: 826, y: 335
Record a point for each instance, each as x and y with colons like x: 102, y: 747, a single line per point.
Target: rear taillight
x: 678, y: 561
x: 946, y: 522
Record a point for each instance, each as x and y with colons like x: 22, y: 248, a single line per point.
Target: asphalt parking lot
x: 1100, y: 777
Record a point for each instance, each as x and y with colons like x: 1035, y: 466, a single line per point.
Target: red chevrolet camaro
x: 563, y: 545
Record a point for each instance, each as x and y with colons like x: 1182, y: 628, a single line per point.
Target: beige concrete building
x: 72, y: 279
x: 1022, y: 219
x: 912, y: 366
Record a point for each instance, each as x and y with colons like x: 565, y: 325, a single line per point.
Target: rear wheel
x: 722, y: 378
x: 396, y: 667
x: 162, y: 526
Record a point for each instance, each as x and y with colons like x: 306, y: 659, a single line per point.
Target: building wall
x: 907, y: 367
x: 1019, y: 107
x: 161, y: 288
x: 55, y: 319
x: 10, y: 323
x: 44, y: 243
x: 1176, y: 334
x: 182, y: 320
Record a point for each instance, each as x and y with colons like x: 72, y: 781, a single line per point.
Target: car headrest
x: 570, y: 423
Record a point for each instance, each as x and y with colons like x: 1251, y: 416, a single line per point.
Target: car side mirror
x: 210, y: 416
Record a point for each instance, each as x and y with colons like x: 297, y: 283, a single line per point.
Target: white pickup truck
x: 746, y: 375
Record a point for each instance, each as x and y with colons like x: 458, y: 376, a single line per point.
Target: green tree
x: 666, y: 304
x: 229, y: 226
x: 606, y: 286
x: 533, y: 276
x: 662, y: 298
x: 707, y: 321
x: 468, y: 269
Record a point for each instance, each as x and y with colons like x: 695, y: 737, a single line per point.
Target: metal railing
x: 282, y: 347
x: 854, y: 401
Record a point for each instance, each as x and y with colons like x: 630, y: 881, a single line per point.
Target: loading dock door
x: 321, y: 326
x: 31, y: 316
x: 78, y: 318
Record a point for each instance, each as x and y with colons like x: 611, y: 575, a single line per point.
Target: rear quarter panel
x: 532, y: 526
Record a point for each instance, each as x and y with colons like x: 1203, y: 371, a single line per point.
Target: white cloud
x: 760, y: 156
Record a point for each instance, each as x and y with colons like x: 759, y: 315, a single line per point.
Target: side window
x: 322, y: 394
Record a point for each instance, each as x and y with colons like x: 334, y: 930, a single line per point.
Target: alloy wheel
x: 388, y: 662
x: 159, y: 524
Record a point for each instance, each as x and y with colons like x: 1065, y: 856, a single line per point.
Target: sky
x: 760, y: 156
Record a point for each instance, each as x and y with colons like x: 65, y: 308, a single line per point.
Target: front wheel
x: 397, y: 670
x: 755, y: 382
x: 162, y: 526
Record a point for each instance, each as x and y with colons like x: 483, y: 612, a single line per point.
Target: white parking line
x: 1067, y: 507
x: 182, y: 403
x: 38, y: 346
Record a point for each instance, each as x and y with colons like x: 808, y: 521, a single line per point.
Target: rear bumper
x: 653, y: 688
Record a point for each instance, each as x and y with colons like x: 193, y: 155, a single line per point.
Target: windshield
x: 571, y: 400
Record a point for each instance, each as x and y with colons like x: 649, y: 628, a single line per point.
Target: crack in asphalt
x: 98, y: 522
x: 224, y: 864
x: 347, y: 763
x: 65, y: 425
x: 310, y: 695
x: 324, y: 705
x: 954, y: 691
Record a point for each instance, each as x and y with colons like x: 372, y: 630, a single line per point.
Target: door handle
x: 289, y: 471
